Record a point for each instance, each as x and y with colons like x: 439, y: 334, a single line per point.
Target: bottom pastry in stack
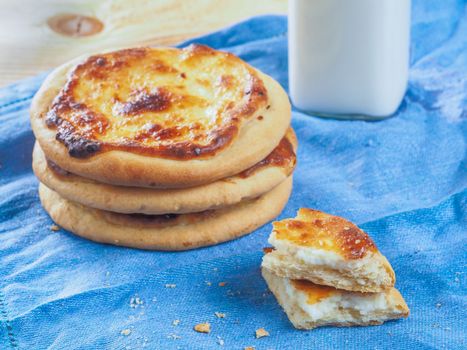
x: 168, y: 219
x: 325, y: 271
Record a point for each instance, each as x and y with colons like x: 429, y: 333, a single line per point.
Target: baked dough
x: 327, y: 250
x: 159, y: 117
x: 225, y: 192
x: 308, y: 305
x: 166, y: 232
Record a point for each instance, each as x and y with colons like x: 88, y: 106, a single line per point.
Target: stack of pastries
x: 325, y: 271
x: 162, y: 148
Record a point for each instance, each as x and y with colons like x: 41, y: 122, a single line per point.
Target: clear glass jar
x: 349, y: 58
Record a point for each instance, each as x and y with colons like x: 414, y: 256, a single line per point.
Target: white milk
x: 349, y: 56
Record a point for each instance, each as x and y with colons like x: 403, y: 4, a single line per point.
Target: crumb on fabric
x: 220, y: 341
x: 125, y: 332
x: 261, y: 332
x: 136, y: 302
x: 208, y: 283
x: 222, y: 284
x: 202, y: 327
x: 175, y: 322
x: 55, y: 228
x: 219, y: 314
x: 249, y: 348
x: 174, y: 336
x: 170, y: 285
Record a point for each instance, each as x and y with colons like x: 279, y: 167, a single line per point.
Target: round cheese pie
x: 250, y: 183
x: 159, y: 117
x: 166, y: 232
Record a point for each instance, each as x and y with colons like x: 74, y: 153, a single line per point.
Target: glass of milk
x: 349, y: 58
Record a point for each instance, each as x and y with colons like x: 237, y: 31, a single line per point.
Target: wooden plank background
x: 36, y: 35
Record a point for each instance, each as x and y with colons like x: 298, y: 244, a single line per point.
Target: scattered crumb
x: 249, y: 348
x: 219, y: 314
x: 174, y: 336
x: 170, y: 285
x: 220, y: 341
x: 438, y: 305
x: 126, y: 332
x: 222, y: 284
x: 176, y: 322
x: 208, y: 283
x: 136, y: 302
x: 55, y: 228
x: 232, y: 293
x: 203, y: 327
x: 261, y: 332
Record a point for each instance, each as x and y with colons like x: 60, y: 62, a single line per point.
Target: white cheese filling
x: 321, y: 257
x: 337, y: 304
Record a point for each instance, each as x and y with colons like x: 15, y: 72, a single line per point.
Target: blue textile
x: 402, y: 179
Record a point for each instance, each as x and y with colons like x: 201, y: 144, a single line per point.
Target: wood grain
x: 28, y: 45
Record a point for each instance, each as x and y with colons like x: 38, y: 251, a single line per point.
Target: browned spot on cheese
x: 162, y: 67
x: 319, y: 230
x: 282, y: 155
x: 268, y: 250
x: 227, y: 81
x: 110, y: 99
x: 315, y: 293
x: 142, y: 101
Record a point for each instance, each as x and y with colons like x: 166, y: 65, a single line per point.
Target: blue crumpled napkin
x: 402, y: 179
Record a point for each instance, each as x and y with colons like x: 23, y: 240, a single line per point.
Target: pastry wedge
x: 308, y: 305
x: 327, y: 250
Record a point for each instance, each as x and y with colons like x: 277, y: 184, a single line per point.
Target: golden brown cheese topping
x: 165, y: 102
x: 315, y: 293
x: 316, y: 229
x: 282, y: 156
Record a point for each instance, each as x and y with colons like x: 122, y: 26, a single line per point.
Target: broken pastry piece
x: 309, y: 305
x: 327, y: 250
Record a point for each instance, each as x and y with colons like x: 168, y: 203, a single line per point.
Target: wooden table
x: 36, y: 35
